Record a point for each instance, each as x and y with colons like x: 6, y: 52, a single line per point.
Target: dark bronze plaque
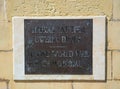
x: 58, y: 46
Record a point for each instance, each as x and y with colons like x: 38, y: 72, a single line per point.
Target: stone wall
x: 10, y: 8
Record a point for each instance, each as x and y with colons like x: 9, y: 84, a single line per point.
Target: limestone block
x: 5, y: 36
x: 114, y: 35
x: 59, y: 8
x: 97, y: 85
x: 88, y: 85
x: 3, y: 85
x: 18, y: 85
x: 40, y: 85
x: 6, y: 65
x: 116, y: 9
x: 113, y: 85
x: 109, y: 65
x: 2, y: 10
x: 116, y: 65
x: 49, y: 85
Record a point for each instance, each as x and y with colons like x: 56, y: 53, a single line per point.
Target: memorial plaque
x: 59, y: 48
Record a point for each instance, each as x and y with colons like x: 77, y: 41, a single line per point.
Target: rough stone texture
x: 3, y: 85
x: 113, y: 85
x: 41, y: 85
x: 116, y: 9
x: 85, y: 85
x: 97, y: 85
x: 116, y: 64
x: 2, y: 10
x: 59, y: 8
x: 6, y: 65
x: 114, y: 35
x: 17, y: 85
x: 109, y: 61
x: 64, y: 85
x: 5, y: 36
x: 49, y: 85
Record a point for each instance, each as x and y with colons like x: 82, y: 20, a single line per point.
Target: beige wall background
x: 10, y: 8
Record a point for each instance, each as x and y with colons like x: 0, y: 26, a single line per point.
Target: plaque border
x: 99, y: 55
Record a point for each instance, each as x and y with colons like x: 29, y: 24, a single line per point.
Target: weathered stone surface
x: 114, y: 35
x: 113, y: 85
x: 18, y: 85
x: 5, y: 36
x: 116, y: 65
x: 109, y: 65
x: 6, y: 65
x: 116, y: 9
x: 3, y: 85
x: 97, y: 85
x: 48, y: 85
x: 2, y: 10
x: 58, y: 8
x: 41, y: 85
x: 85, y: 85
